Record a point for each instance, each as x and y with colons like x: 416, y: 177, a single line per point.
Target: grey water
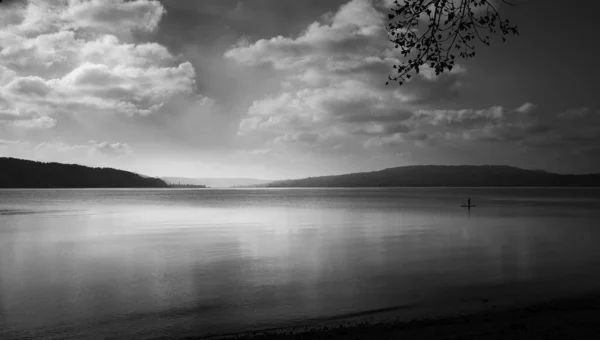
x: 124, y: 263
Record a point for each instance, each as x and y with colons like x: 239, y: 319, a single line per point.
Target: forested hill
x: 19, y: 173
x: 440, y: 175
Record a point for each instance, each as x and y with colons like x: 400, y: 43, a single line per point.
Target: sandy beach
x: 573, y: 318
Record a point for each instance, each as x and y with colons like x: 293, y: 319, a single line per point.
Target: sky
x: 286, y: 89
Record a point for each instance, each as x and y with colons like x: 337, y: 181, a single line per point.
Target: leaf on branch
x: 450, y: 25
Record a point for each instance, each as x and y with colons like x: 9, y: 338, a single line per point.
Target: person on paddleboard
x: 469, y: 202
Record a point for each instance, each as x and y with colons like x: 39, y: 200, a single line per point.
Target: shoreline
x: 566, y: 318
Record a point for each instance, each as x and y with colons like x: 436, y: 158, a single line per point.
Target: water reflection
x: 2, y: 292
x: 237, y: 259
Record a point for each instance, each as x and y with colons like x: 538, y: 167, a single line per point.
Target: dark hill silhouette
x: 19, y: 173
x: 442, y: 175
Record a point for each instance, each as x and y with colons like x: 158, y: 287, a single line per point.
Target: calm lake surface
x: 99, y: 263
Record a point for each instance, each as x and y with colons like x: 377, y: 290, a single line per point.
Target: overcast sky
x: 287, y: 88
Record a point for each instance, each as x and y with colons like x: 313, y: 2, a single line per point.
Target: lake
x: 100, y: 263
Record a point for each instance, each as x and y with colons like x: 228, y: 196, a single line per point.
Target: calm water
x: 83, y: 263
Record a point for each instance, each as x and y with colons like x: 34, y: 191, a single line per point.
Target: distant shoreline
x: 20, y: 174
x: 432, y: 187
x: 446, y: 176
x: 300, y: 188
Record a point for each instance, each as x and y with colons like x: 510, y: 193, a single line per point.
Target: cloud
x: 26, y: 120
x: 350, y: 44
x: 36, y: 123
x: 526, y: 108
x: 91, y: 148
x: 335, y: 81
x: 5, y: 143
x: 34, y: 17
x: 58, y: 150
x: 520, y: 126
x: 114, y: 15
x: 339, y: 112
x: 576, y: 113
x: 443, y: 126
x: 114, y: 149
x: 78, y: 57
x: 357, y: 28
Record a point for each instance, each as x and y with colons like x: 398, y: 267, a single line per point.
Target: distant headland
x: 19, y: 173
x: 445, y: 176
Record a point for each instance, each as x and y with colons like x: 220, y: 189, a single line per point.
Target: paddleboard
x: 467, y: 206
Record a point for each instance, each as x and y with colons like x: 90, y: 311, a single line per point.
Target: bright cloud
x: 74, y: 57
x: 114, y: 15
x: 336, y: 70
x: 526, y: 108
x: 353, y: 33
x: 92, y: 152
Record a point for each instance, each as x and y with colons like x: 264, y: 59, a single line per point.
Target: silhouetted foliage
x: 434, y: 32
x: 446, y: 176
x: 19, y: 173
x: 187, y: 186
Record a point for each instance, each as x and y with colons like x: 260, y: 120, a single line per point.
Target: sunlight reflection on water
x: 223, y: 260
